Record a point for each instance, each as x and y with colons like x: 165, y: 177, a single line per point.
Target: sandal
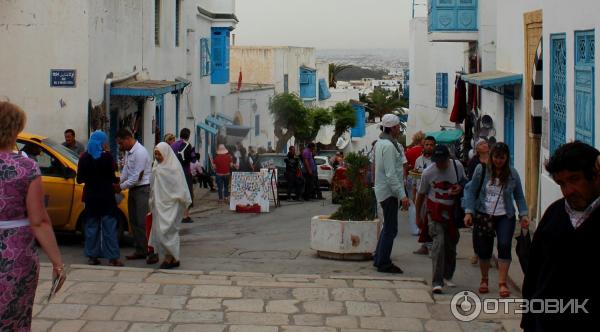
x: 169, y: 265
x: 483, y: 286
x: 505, y: 293
x: 115, y: 262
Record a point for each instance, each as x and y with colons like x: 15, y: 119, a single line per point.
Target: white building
x: 147, y: 62
x: 426, y: 61
x: 248, y: 109
x: 288, y: 69
x: 536, y: 105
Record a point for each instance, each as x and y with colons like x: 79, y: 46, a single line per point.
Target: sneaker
x: 421, y: 251
x: 93, y: 261
x: 390, y: 269
x: 449, y: 283
x: 437, y: 289
x: 187, y: 220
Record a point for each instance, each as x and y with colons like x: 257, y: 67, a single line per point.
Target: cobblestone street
x: 133, y: 299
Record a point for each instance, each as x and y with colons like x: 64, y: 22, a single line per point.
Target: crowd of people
x: 440, y: 194
x: 489, y: 198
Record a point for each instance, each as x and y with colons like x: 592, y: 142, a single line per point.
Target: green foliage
x: 381, y: 102
x: 358, y: 203
x: 317, y: 117
x: 344, y: 118
x: 334, y: 71
x: 289, y: 114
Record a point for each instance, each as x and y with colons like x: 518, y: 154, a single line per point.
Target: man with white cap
x: 389, y: 189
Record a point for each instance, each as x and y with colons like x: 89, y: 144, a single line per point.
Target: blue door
x: 584, y: 86
x: 558, y: 91
x: 509, y: 122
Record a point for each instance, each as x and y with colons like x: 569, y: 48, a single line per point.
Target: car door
x: 58, y: 187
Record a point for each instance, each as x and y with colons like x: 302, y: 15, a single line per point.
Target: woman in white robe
x: 169, y: 196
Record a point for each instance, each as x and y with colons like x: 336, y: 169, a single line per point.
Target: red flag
x: 239, y: 85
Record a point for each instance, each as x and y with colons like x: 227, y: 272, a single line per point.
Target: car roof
x: 25, y: 135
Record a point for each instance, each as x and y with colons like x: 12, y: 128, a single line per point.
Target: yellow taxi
x: 63, y: 196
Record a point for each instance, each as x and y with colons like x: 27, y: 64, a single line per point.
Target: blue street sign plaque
x: 63, y: 78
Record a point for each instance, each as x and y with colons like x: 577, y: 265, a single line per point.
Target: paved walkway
x: 131, y: 299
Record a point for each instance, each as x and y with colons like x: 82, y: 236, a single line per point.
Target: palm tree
x: 334, y: 70
x: 381, y: 102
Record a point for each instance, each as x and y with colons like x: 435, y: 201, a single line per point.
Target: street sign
x: 63, y: 78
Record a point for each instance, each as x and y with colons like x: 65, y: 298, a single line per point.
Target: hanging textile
x: 459, y: 111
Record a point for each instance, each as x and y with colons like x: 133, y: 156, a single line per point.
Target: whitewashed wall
x: 242, y: 104
x: 96, y: 38
x: 426, y: 59
x: 567, y: 17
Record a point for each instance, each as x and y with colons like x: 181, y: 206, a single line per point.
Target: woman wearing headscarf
x: 169, y: 196
x: 97, y: 170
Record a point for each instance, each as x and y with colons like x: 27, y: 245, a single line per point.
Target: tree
x: 344, y: 118
x: 381, y: 102
x: 334, y: 70
x: 317, y: 117
x: 290, y: 115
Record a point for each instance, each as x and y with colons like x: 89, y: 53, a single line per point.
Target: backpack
x: 245, y: 164
x: 180, y: 153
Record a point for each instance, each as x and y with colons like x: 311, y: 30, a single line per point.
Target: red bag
x: 148, y: 221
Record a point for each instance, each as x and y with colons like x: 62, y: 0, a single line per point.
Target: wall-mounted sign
x: 63, y: 78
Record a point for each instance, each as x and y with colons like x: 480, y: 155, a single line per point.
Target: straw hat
x: 222, y: 149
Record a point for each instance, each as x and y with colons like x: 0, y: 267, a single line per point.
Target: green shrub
x: 358, y: 203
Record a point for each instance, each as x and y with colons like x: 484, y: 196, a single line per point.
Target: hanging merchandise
x: 459, y: 111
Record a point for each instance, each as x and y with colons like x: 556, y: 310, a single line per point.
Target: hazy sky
x: 325, y: 23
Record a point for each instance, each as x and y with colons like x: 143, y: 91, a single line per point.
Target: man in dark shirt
x: 71, y: 143
x: 185, y: 153
x: 565, y: 244
x: 293, y: 174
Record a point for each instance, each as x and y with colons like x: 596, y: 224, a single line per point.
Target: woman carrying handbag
x: 489, y: 206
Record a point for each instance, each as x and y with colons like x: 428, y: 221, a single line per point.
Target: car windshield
x: 64, y: 151
x: 321, y: 161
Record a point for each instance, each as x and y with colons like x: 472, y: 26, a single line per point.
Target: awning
x: 493, y: 79
x: 147, y: 88
x: 209, y: 129
x: 446, y: 136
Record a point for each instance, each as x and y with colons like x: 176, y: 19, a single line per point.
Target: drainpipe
x: 108, y: 82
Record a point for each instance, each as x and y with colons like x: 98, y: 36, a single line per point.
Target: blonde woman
x: 23, y: 220
x: 169, y: 196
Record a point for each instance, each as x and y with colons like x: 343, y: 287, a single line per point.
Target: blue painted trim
x: 585, y: 66
x: 139, y: 92
x: 214, y: 122
x: 207, y: 128
x: 555, y: 141
x: 508, y: 79
x: 224, y: 118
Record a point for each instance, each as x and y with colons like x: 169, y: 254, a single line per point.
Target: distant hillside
x: 357, y: 73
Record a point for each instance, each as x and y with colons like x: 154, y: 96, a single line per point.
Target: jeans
x: 388, y: 233
x: 443, y: 252
x: 138, y: 209
x: 484, y: 245
x: 223, y: 186
x: 294, y: 184
x: 101, y: 237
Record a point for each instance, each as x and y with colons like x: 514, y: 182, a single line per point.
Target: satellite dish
x: 343, y: 141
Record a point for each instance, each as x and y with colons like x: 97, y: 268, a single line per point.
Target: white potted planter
x: 349, y: 233
x: 344, y: 239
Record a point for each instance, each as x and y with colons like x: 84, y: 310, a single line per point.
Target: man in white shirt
x: 389, y: 190
x: 135, y: 177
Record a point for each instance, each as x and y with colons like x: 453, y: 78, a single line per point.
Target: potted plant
x: 351, y: 233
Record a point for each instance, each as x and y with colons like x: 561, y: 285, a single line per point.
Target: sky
x: 325, y: 24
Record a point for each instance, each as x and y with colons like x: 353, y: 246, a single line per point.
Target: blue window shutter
x: 257, y: 125
x: 324, y: 93
x: 558, y: 91
x: 584, y: 86
x: 220, y: 56
x: 204, y: 57
x: 445, y: 90
x: 308, y: 85
x: 509, y: 122
x: 438, y: 90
